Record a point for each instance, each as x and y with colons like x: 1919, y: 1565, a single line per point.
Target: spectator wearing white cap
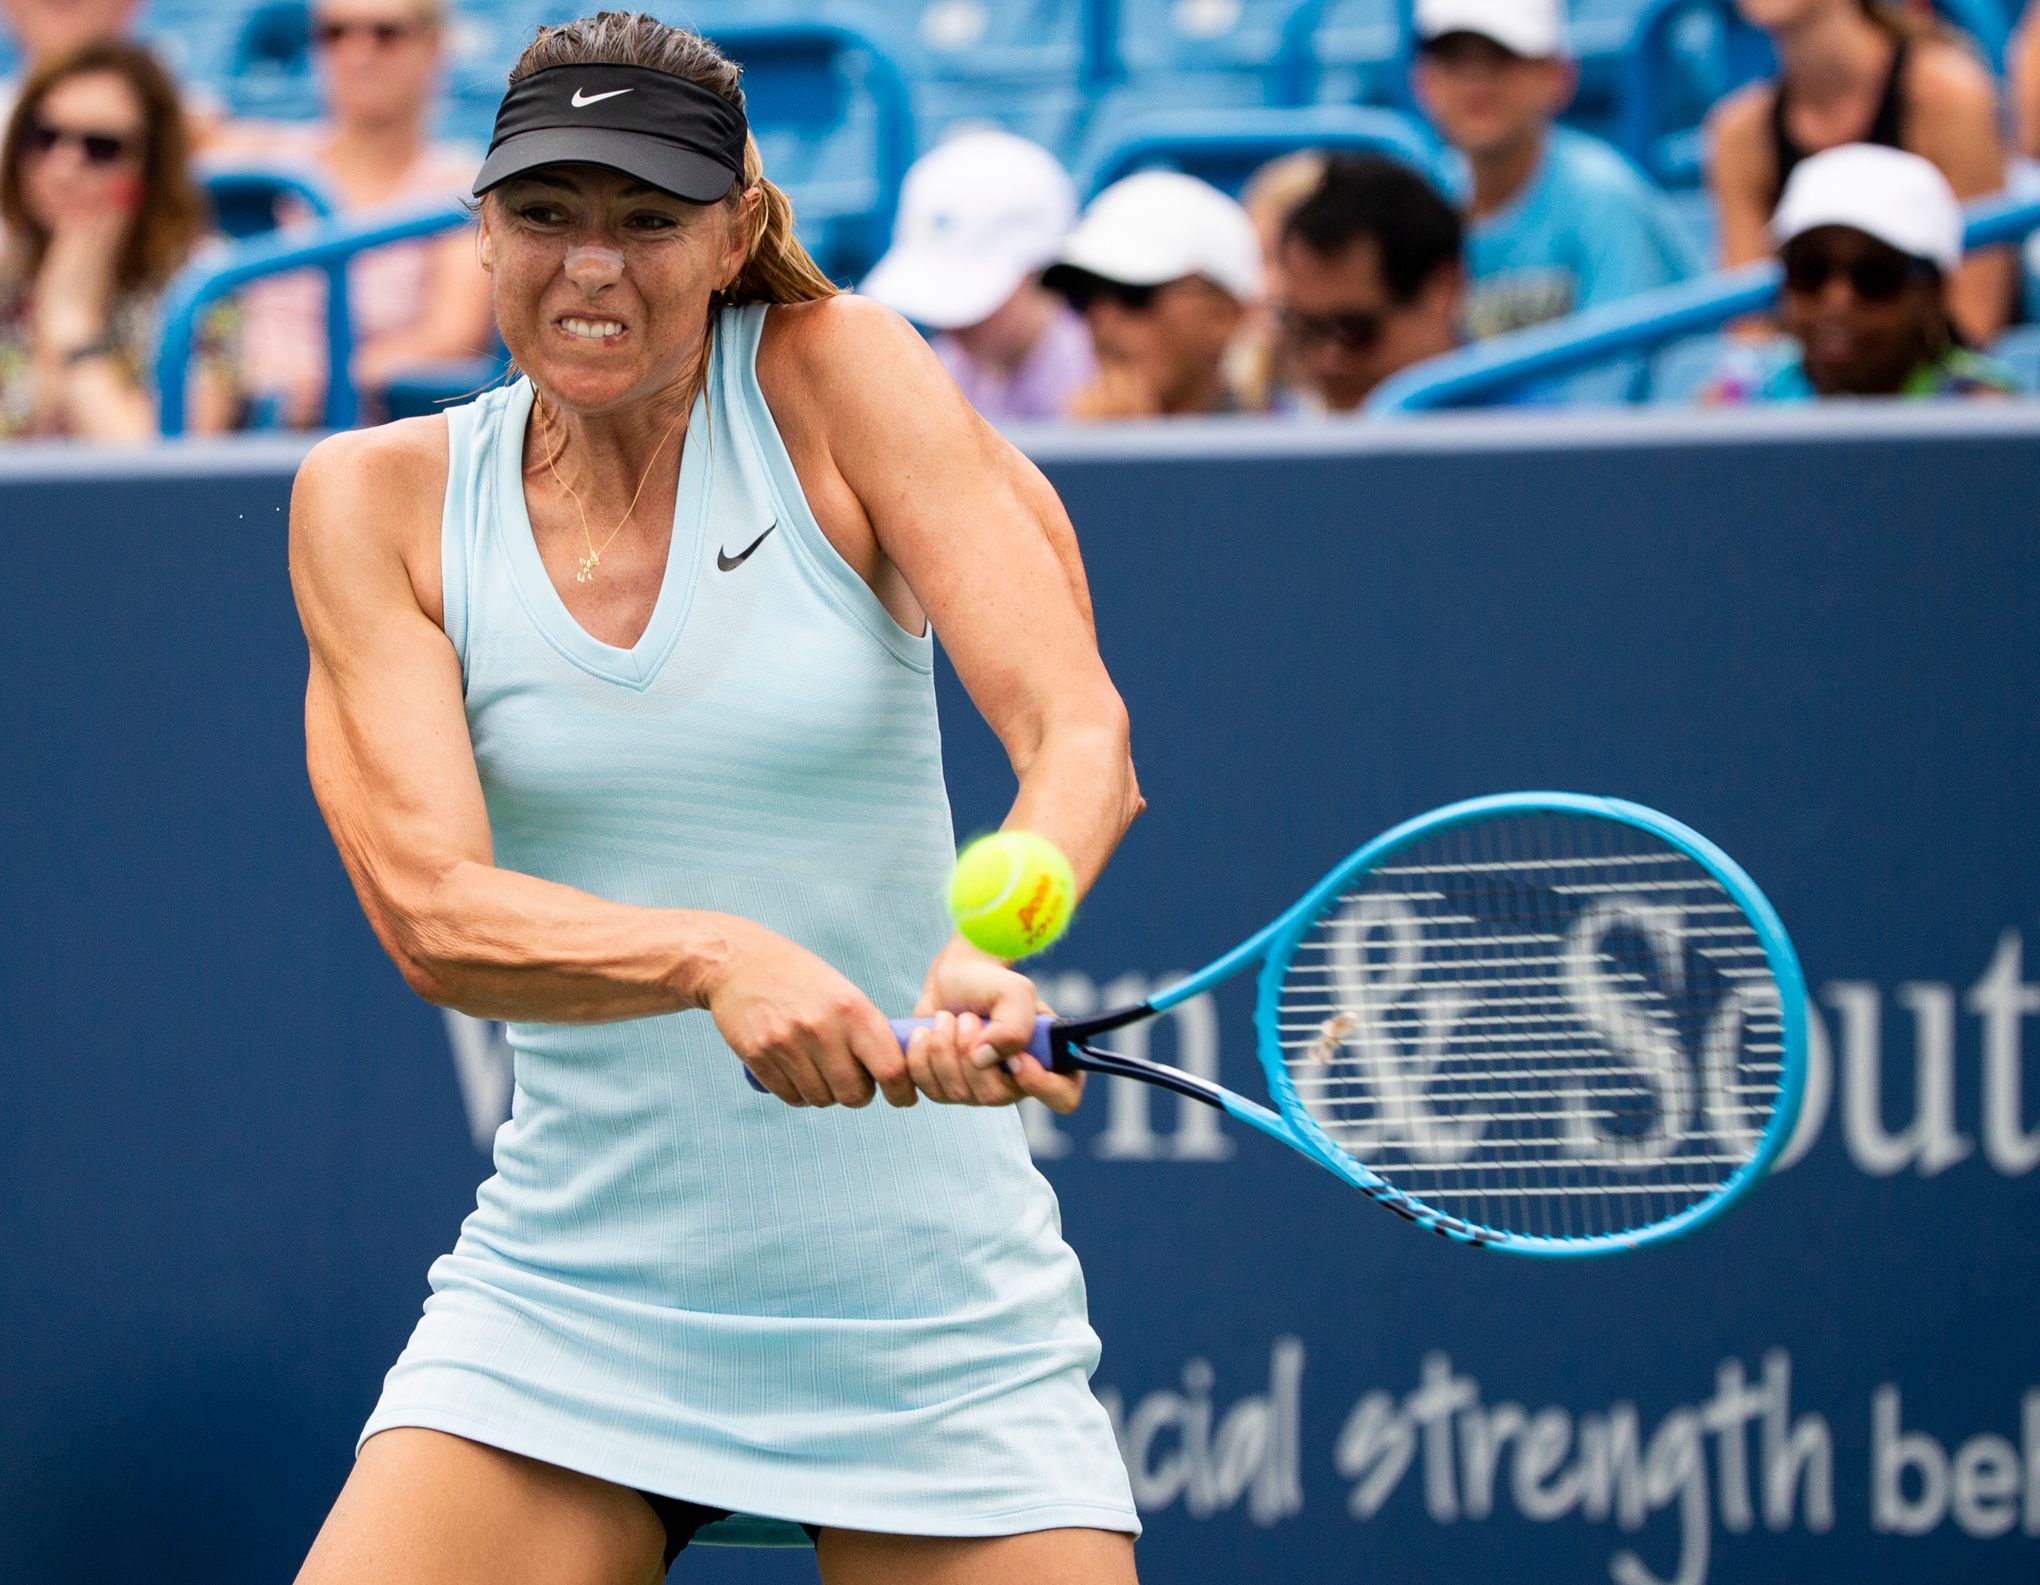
x: 1164, y: 268
x: 1870, y: 239
x: 1558, y: 221
x: 979, y: 218
x: 1861, y: 71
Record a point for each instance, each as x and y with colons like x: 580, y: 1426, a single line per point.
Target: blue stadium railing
x: 327, y: 245
x: 1497, y: 370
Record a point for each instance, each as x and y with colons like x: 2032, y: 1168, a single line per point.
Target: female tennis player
x: 621, y: 714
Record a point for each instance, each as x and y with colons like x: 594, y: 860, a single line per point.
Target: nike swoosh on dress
x: 725, y: 562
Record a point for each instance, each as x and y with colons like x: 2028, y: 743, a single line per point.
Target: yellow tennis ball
x: 1012, y: 893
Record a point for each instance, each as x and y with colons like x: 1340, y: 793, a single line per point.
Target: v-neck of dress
x: 636, y: 666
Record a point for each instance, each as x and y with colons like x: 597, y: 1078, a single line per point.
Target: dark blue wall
x: 231, y: 1141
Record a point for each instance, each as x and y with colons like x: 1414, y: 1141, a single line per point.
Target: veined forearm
x: 495, y: 943
x: 1077, y: 788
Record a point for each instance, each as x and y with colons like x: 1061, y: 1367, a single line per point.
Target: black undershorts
x: 682, y: 1519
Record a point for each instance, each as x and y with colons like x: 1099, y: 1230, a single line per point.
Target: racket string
x: 1543, y: 1023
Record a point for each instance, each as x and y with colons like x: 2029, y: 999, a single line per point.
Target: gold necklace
x: 588, y: 563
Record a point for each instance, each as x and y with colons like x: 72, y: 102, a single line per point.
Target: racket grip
x: 1041, y: 1047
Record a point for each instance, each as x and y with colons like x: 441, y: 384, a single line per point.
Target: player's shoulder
x: 834, y: 338
x: 846, y: 368
x: 388, y: 465
x: 364, y: 491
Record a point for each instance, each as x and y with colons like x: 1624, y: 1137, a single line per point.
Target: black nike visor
x: 669, y: 133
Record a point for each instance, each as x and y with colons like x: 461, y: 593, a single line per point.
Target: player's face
x: 85, y: 148
x: 1342, y: 331
x: 377, y: 58
x: 1865, y: 316
x: 602, y: 283
x: 1485, y: 99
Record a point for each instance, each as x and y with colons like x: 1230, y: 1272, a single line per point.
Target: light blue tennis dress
x: 865, y: 1319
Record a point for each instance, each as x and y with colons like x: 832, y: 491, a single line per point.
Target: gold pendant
x: 588, y: 564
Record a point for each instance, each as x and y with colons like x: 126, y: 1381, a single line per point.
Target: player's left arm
x: 944, y: 518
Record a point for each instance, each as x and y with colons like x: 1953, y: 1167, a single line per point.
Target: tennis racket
x: 1538, y: 1022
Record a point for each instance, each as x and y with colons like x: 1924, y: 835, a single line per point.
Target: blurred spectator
x: 1163, y: 268
x: 1853, y: 72
x: 1372, y: 281
x: 46, y: 29
x: 414, y: 302
x: 979, y: 219
x: 1558, y: 221
x: 99, y: 209
x: 1870, y: 239
x: 2022, y: 69
x: 1257, y: 365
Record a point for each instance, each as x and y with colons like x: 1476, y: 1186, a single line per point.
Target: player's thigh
x: 425, y: 1508
x: 1043, y: 1557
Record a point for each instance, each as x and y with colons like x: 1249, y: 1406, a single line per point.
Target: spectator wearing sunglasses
x: 1558, y: 222
x: 43, y: 30
x: 1164, y: 269
x: 1870, y: 239
x: 1861, y: 71
x: 99, y: 210
x: 412, y: 303
x: 1371, y: 281
x: 979, y: 219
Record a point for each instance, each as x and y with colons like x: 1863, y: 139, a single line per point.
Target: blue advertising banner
x: 231, y: 1140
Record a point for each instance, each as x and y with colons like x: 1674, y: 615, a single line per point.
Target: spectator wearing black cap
x: 1372, y: 281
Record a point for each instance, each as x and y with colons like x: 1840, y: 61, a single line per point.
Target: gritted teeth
x: 593, y: 329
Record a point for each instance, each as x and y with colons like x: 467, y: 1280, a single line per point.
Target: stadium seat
x: 1343, y: 52
x: 246, y: 198
x: 1226, y: 149
x: 830, y: 108
x: 428, y: 388
x: 269, y: 73
x: 1154, y: 37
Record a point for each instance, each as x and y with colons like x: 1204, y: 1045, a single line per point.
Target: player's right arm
x: 393, y: 769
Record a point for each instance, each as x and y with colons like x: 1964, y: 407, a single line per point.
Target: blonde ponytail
x: 777, y: 269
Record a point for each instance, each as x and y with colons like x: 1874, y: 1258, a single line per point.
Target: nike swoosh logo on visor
x: 582, y: 98
x: 725, y: 562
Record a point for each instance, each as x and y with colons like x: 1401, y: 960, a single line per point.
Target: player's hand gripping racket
x: 1539, y: 1022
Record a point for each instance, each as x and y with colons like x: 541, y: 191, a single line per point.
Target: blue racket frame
x: 1294, y: 1125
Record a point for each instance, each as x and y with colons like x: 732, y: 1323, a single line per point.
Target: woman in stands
x: 1870, y: 239
x: 98, y: 210
x: 1852, y: 71
x: 663, y: 788
x: 412, y: 302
